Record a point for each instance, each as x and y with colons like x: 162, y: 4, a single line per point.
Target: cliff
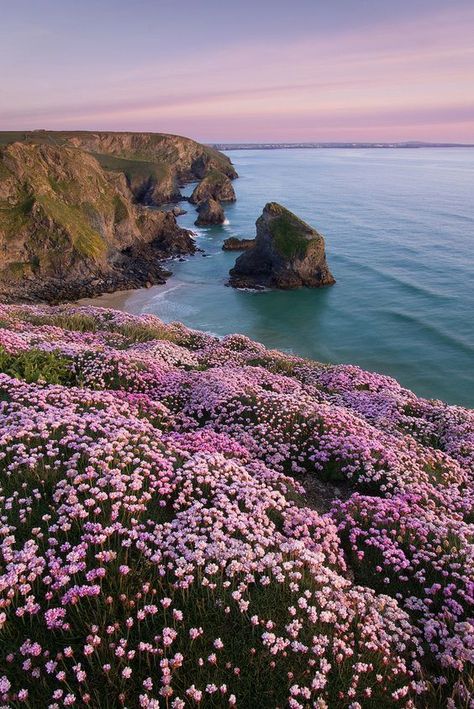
x: 154, y: 164
x: 288, y: 253
x: 69, y: 228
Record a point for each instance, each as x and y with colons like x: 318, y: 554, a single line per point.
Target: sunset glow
x: 405, y: 76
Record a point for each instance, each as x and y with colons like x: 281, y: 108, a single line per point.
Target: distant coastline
x: 286, y: 146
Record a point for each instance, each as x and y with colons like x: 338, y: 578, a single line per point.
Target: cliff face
x: 154, y: 164
x: 69, y: 228
x: 288, y: 253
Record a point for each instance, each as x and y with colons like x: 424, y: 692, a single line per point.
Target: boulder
x: 215, y: 185
x: 288, y: 253
x: 234, y: 244
x: 210, y: 212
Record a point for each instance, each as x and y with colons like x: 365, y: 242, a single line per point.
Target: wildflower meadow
x: 187, y: 521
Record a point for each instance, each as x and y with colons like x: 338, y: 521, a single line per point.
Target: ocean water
x: 399, y: 228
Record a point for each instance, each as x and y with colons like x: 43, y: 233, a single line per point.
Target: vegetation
x: 289, y: 235
x: 157, y: 547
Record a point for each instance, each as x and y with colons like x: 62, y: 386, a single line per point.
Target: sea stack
x: 215, y: 185
x: 288, y: 253
x: 209, y: 212
x: 234, y: 244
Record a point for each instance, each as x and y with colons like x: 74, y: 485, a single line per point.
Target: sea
x: 399, y: 230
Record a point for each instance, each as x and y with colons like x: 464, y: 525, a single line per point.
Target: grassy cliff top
x: 170, y: 150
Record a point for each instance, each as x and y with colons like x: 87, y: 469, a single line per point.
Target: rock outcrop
x: 234, y: 244
x: 216, y: 185
x: 209, y: 212
x: 288, y: 253
x: 70, y: 229
x: 155, y: 164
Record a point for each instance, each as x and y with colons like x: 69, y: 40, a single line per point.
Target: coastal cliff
x: 69, y: 229
x: 155, y: 164
x: 288, y: 253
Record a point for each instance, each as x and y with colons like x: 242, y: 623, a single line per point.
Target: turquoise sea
x: 399, y: 228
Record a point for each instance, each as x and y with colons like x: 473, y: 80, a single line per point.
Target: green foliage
x: 288, y: 237
x: 4, y: 171
x: 16, y: 269
x: 138, y: 332
x: 12, y: 218
x: 36, y: 366
x: 133, y: 169
x: 120, y: 210
x: 68, y: 321
x: 86, y: 240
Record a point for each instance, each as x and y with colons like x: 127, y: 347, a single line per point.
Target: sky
x: 248, y: 70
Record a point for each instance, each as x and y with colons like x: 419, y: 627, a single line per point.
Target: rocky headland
x: 288, y: 253
x: 155, y: 165
x: 74, y: 216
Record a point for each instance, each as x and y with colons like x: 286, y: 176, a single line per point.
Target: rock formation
x: 69, y: 229
x: 234, y: 244
x: 209, y: 212
x: 288, y: 253
x: 215, y: 185
x: 155, y: 165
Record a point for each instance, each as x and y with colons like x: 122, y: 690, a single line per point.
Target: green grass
x: 86, y: 240
x: 133, y: 169
x: 120, y: 210
x: 34, y: 365
x: 12, y: 219
x: 287, y: 236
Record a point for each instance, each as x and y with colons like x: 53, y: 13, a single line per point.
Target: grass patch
x: 287, y: 236
x: 86, y: 240
x: 36, y: 366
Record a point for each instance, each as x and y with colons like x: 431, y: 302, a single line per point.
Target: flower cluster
x: 161, y: 543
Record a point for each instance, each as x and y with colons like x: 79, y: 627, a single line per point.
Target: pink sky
x: 409, y: 78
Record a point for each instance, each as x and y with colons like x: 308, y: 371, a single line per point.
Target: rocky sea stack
x: 215, y: 185
x: 209, y: 212
x: 288, y: 253
x: 234, y: 244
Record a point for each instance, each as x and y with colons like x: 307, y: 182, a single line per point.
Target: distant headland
x: 289, y: 146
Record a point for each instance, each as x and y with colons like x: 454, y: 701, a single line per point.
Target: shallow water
x: 399, y: 228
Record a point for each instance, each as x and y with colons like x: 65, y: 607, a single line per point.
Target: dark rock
x: 216, y: 186
x: 288, y: 253
x: 209, y: 212
x: 234, y: 244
